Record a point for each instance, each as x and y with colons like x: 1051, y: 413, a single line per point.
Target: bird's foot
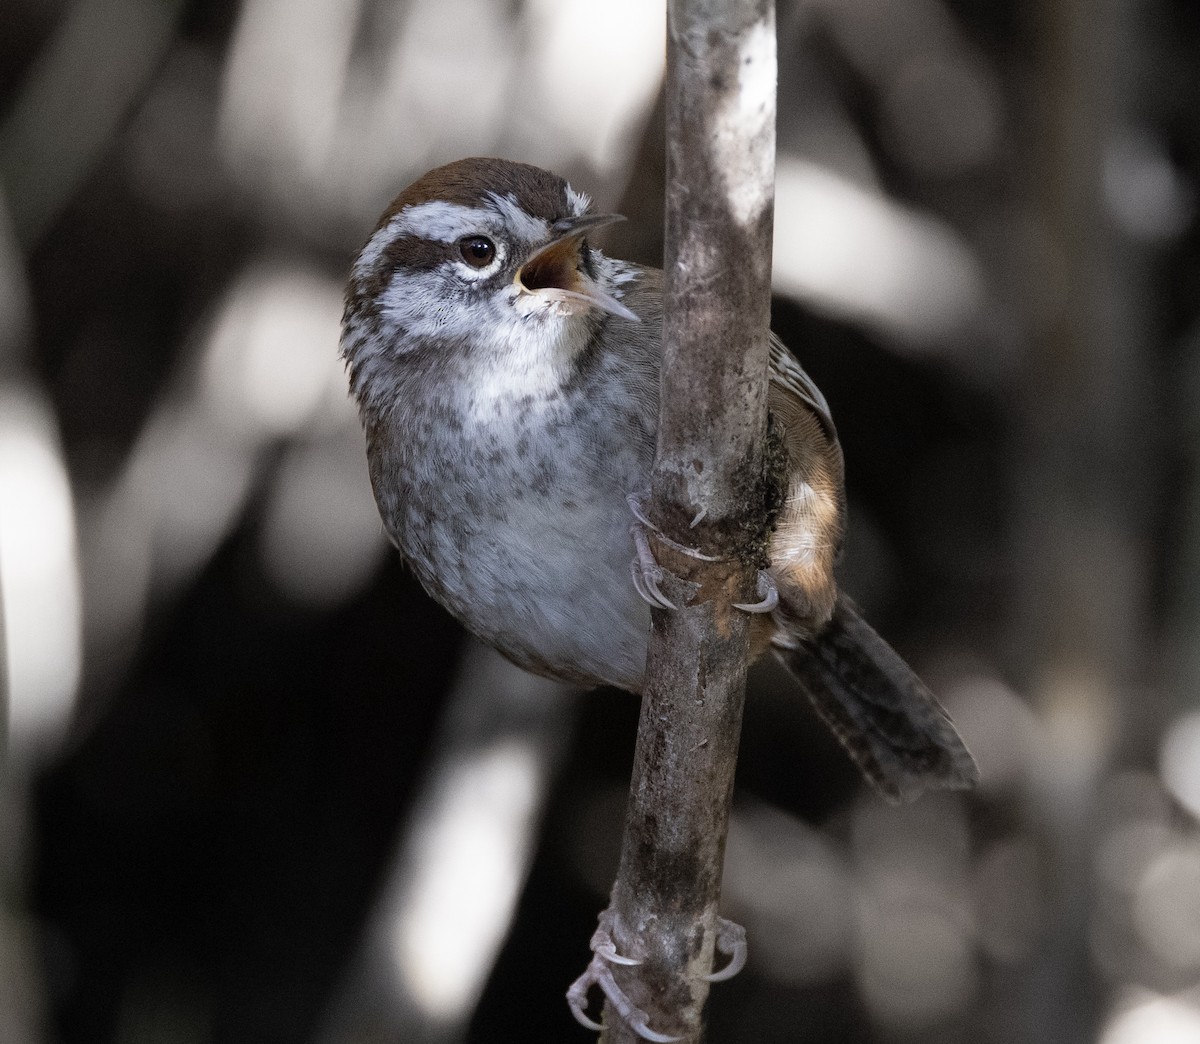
x: 647, y: 573
x: 730, y: 941
x: 638, y: 510
x: 599, y: 973
x: 767, y: 592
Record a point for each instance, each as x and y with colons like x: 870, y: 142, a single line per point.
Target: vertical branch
x: 707, y: 496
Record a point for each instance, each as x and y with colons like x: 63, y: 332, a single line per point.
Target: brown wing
x: 789, y: 379
x: 808, y: 535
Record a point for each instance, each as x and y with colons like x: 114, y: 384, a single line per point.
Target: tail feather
x: 889, y: 722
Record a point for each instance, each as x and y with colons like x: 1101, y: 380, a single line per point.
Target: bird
x: 507, y: 375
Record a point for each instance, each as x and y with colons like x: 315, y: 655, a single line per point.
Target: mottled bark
x: 707, y: 494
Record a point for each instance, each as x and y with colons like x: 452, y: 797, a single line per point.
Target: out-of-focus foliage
x: 251, y: 793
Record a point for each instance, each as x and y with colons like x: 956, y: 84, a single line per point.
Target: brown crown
x: 468, y: 181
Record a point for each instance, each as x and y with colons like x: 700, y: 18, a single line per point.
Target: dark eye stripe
x: 413, y: 252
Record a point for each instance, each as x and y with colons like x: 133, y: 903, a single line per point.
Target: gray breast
x: 519, y: 525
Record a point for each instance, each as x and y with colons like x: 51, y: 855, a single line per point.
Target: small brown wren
x: 507, y: 377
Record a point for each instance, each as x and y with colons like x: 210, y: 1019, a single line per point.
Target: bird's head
x: 473, y: 255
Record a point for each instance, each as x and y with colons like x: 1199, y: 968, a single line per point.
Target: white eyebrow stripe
x: 439, y: 221
x: 444, y: 222
x: 517, y: 220
x: 369, y: 257
x: 435, y: 220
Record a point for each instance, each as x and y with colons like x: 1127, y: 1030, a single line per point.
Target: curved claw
x: 577, y: 1001
x: 634, y: 500
x: 602, y: 944
x: 768, y: 593
x: 598, y: 973
x: 731, y: 941
x: 646, y: 1033
x: 647, y: 572
x: 616, y: 958
x: 648, y: 591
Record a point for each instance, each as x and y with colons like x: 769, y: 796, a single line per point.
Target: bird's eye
x: 477, y: 251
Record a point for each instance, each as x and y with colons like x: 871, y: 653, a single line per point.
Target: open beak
x: 554, y: 271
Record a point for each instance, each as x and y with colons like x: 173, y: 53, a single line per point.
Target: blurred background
x: 258, y: 787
